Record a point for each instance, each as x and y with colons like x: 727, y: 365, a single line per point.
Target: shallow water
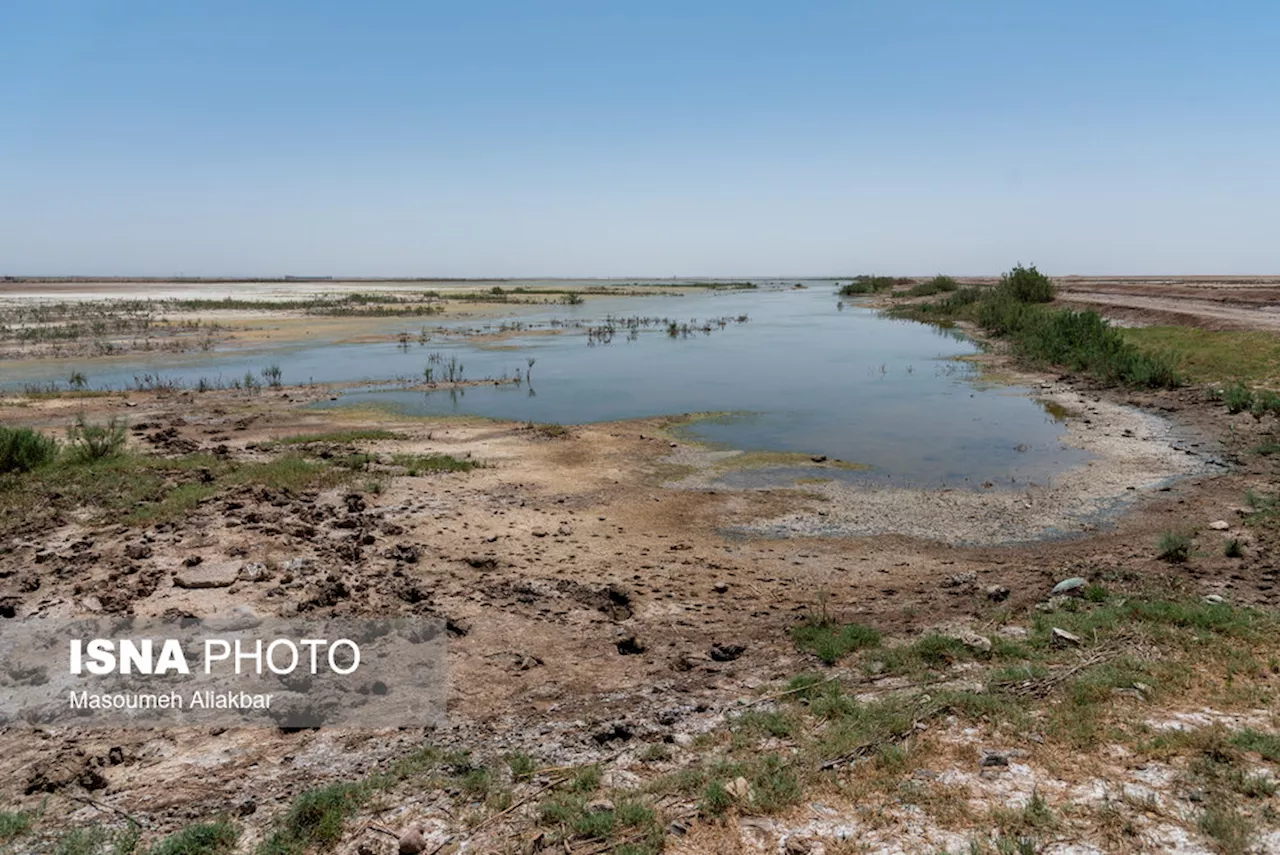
x: 801, y: 375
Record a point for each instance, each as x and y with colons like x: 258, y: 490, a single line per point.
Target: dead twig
x: 104, y: 806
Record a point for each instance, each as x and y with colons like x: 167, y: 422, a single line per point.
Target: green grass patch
x: 425, y: 464
x: 14, y: 824
x: 208, y: 838
x: 831, y: 641
x: 1267, y: 745
x: 316, y: 820
x: 931, y: 652
x: 142, y: 489
x: 336, y: 437
x: 1214, y: 355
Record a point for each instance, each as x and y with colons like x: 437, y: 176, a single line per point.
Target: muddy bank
x: 1132, y: 453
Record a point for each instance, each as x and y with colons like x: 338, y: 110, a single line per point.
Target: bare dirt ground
x: 1204, y: 302
x: 600, y: 602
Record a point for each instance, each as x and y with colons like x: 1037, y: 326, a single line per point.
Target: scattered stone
x: 1074, y: 586
x: 1215, y: 599
x: 720, y: 587
x: 1018, y: 632
x: 207, y: 576
x: 994, y: 758
x: 1053, y: 603
x: 1062, y: 637
x: 617, y: 732
x: 406, y: 553
x: 973, y: 641
x: 819, y: 458
x: 92, y: 603
x: 599, y: 806
x: 804, y: 846
x: 137, y: 551
x: 1220, y: 525
x: 997, y: 593
x: 961, y: 580
x: 630, y: 646
x: 192, y: 561
x: 254, y: 571
x: 726, y: 652
x: 246, y: 806
x: 738, y: 789
x: 412, y: 842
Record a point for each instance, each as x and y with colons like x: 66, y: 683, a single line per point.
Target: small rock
x: 137, y: 551
x: 207, y: 576
x: 630, y: 646
x: 599, y: 806
x: 254, y: 571
x: 412, y: 842
x: 804, y: 846
x: 994, y: 758
x: 720, y: 587
x: 1215, y: 599
x: 819, y: 458
x: 973, y: 641
x: 997, y: 593
x: 960, y: 580
x: 1018, y: 632
x: 1074, y: 585
x: 1062, y: 637
x: 726, y: 652
x: 1220, y: 525
x: 738, y: 789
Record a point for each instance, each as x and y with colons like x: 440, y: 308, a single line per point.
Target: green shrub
x: 91, y: 441
x: 1175, y: 546
x: 24, y: 449
x: 871, y: 285
x: 1237, y: 397
x: 1265, y: 402
x: 937, y: 285
x: 1027, y: 285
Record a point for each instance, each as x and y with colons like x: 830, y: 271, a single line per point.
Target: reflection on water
x: 800, y: 372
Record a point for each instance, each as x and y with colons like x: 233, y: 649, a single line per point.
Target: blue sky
x: 514, y: 137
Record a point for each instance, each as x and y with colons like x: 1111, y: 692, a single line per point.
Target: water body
x: 801, y: 375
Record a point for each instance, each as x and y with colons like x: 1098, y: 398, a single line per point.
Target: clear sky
x: 654, y: 138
